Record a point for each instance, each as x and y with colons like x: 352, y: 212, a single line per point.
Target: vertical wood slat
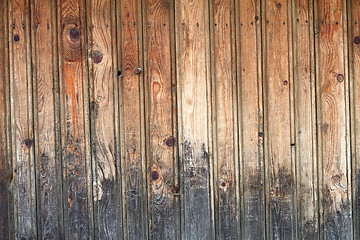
x: 278, y: 134
x: 103, y: 116
x: 6, y: 219
x: 192, y: 64
x: 49, y: 195
x: 333, y: 122
x: 132, y: 120
x: 305, y: 119
x: 22, y: 120
x: 159, y: 104
x: 224, y: 117
x: 354, y: 62
x: 74, y: 120
x: 251, y: 118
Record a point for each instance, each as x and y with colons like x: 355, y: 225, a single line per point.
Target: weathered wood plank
x: 333, y: 121
x: 251, y: 118
x: 305, y: 119
x: 101, y: 41
x: 192, y: 62
x: 159, y: 104
x: 49, y: 194
x: 74, y: 120
x: 6, y: 219
x: 354, y: 41
x: 132, y: 120
x: 277, y: 81
x: 22, y: 120
x: 224, y: 111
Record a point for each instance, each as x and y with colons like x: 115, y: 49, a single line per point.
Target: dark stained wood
x: 49, y: 195
x: 224, y: 112
x: 74, y: 120
x: 354, y: 45
x: 22, y: 120
x: 251, y: 118
x: 132, y: 120
x: 192, y: 48
x: 163, y: 192
x: 6, y: 220
x: 333, y: 123
x: 277, y: 82
x: 101, y: 24
x: 305, y: 119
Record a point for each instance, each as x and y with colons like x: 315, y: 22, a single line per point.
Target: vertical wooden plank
x: 277, y: 81
x: 132, y: 120
x: 333, y: 121
x: 159, y: 104
x: 22, y: 120
x: 101, y: 25
x: 223, y: 64
x: 49, y: 195
x: 354, y: 45
x: 251, y: 118
x: 305, y: 119
x: 6, y: 220
x: 74, y: 120
x: 192, y: 63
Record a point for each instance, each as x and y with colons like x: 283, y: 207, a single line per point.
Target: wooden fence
x: 179, y: 119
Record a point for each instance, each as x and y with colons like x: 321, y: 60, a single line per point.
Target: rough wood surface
x: 250, y: 119
x: 102, y: 77
x: 333, y: 121
x: 132, y: 120
x: 49, y: 200
x: 22, y: 120
x: 74, y: 120
x: 305, y: 119
x: 279, y: 172
x: 192, y: 43
x: 161, y: 136
x: 224, y: 112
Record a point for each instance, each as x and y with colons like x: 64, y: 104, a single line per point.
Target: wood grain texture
x: 6, y: 219
x: 74, y: 120
x: 192, y: 63
x: 132, y: 120
x: 49, y: 195
x: 102, y: 77
x: 161, y: 138
x: 305, y: 119
x: 251, y: 130
x: 354, y: 61
x: 277, y: 81
x: 22, y: 120
x: 225, y: 121
x: 333, y: 121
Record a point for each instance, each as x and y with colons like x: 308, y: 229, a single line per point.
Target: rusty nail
x: 138, y: 70
x: 340, y: 77
x: 357, y: 39
x: 28, y: 142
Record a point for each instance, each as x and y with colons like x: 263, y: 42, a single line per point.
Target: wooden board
x: 74, y: 120
x: 160, y: 102
x: 22, y: 120
x: 103, y: 116
x: 278, y: 123
x: 224, y: 111
x: 46, y: 109
x: 251, y: 114
x: 305, y: 119
x: 6, y: 219
x: 194, y: 110
x: 333, y: 123
x: 132, y: 119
